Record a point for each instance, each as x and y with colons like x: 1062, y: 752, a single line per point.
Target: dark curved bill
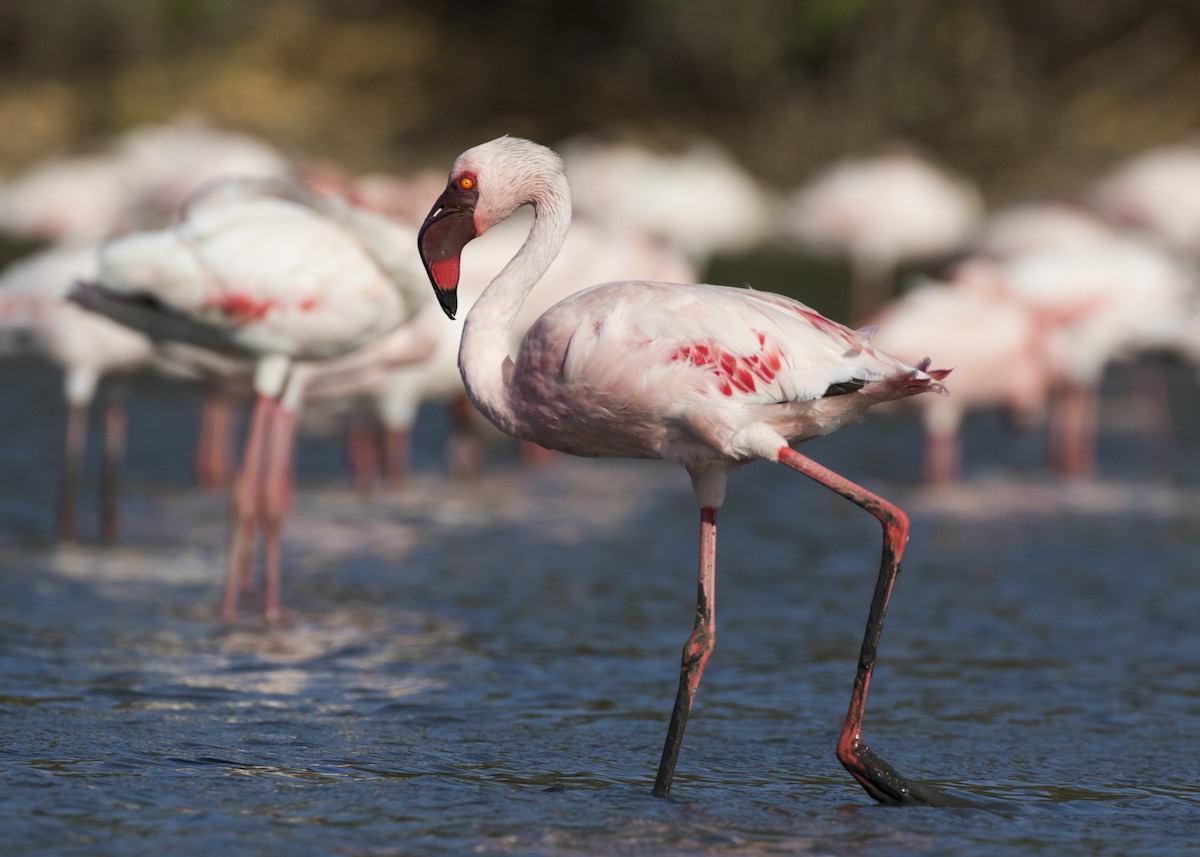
x: 440, y: 242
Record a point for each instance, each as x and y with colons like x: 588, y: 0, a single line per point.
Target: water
x: 487, y: 667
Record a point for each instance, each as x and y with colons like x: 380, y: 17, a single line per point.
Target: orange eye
x: 466, y: 183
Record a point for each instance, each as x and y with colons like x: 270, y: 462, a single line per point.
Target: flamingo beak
x: 447, y: 229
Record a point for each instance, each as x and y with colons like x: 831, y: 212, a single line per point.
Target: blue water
x: 487, y: 667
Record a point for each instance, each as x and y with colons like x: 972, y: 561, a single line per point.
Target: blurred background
x: 1025, y: 96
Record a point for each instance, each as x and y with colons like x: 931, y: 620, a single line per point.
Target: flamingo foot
x: 881, y: 781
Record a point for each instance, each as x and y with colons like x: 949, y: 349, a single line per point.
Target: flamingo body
x: 678, y: 371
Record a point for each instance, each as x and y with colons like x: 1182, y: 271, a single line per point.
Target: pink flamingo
x: 880, y: 212
x: 1158, y: 193
x: 1098, y: 303
x: 996, y: 346
x: 262, y: 270
x: 706, y: 376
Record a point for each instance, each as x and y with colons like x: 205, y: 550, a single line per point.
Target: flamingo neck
x: 484, y: 358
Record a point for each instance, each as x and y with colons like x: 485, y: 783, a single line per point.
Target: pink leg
x: 277, y: 501
x: 464, y: 452
x: 244, y: 506
x: 72, y: 466
x: 110, y: 477
x: 1151, y: 405
x: 874, y: 774
x: 396, y: 442
x: 360, y: 448
x: 696, y: 650
x: 1073, y: 432
x: 212, y: 449
x: 943, y: 458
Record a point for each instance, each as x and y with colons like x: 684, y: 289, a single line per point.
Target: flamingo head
x: 487, y: 184
x: 446, y: 230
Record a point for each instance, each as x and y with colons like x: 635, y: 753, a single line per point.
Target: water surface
x: 487, y: 667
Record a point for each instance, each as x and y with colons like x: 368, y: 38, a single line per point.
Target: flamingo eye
x: 466, y: 182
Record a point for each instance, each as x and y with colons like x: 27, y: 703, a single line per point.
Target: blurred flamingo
x: 706, y: 376
x: 1158, y: 193
x: 1099, y: 303
x: 87, y: 347
x: 880, y: 212
x: 700, y: 201
x: 996, y: 347
x: 263, y: 270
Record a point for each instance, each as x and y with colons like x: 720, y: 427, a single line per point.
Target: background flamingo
x: 996, y: 347
x: 706, y: 376
x: 880, y: 212
x: 87, y: 347
x: 263, y: 270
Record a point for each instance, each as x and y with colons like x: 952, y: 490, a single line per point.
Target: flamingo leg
x: 115, y: 422
x: 396, y: 442
x: 1151, y: 405
x: 943, y: 457
x: 360, y: 447
x: 1073, y: 432
x: 696, y: 650
x: 212, y: 449
x: 464, y: 452
x: 277, y: 502
x: 874, y: 774
x: 244, y: 506
x: 72, y: 466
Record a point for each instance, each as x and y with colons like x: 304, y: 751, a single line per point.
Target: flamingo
x: 996, y: 346
x: 33, y: 297
x: 1098, y: 303
x: 709, y: 377
x: 139, y: 180
x: 1157, y: 193
x: 880, y: 212
x: 700, y: 201
x: 262, y: 270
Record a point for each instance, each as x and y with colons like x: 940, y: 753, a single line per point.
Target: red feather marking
x: 731, y: 371
x: 241, y: 307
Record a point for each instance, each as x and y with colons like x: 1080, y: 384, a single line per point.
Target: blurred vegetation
x: 1028, y: 96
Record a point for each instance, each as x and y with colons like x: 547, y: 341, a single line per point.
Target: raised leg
x: 874, y: 774
x: 72, y: 467
x: 244, y: 506
x: 696, y: 650
x: 110, y: 475
x: 277, y: 502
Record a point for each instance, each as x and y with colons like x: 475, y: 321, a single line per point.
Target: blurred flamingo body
x: 699, y: 201
x: 880, y: 212
x: 706, y: 376
x: 1157, y: 193
x: 262, y: 270
x: 1033, y: 226
x: 996, y: 347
